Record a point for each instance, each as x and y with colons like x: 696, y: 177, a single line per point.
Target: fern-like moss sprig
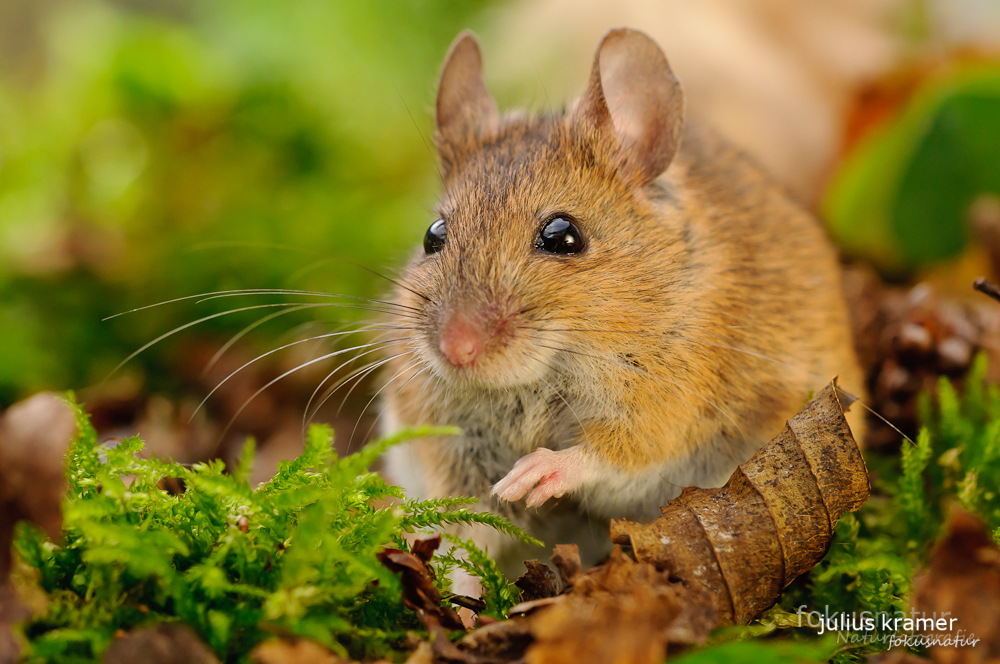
x: 295, y: 555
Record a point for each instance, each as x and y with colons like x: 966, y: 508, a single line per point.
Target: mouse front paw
x: 545, y: 473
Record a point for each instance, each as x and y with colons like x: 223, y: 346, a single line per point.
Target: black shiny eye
x: 560, y: 236
x: 435, y: 238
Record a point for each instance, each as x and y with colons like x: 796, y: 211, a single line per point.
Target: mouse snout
x: 462, y: 340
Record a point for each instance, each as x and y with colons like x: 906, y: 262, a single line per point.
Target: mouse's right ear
x: 465, y: 109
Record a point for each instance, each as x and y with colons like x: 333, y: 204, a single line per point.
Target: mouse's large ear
x: 633, y: 93
x: 465, y: 108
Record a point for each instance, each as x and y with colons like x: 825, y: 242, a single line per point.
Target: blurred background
x: 152, y: 150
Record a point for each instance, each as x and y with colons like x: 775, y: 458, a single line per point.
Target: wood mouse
x: 611, y: 303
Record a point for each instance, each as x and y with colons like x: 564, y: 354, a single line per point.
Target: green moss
x: 295, y: 555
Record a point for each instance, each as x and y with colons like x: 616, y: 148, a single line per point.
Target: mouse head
x: 546, y: 227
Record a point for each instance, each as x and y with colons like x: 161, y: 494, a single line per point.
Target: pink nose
x: 461, y: 341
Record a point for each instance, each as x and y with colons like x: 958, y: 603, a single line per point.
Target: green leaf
x: 902, y: 197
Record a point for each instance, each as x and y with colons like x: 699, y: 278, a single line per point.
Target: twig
x: 983, y: 286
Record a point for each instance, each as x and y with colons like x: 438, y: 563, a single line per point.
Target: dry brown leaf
x: 623, y: 611
x: 963, y: 580
x: 566, y: 558
x: 419, y: 592
x: 616, y: 628
x: 168, y: 643
x: 770, y: 523
x: 503, y: 641
x: 538, y: 582
x: 34, y: 435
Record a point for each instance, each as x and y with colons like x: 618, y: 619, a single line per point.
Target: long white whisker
x: 273, y: 381
x: 386, y: 303
x: 249, y: 328
x: 285, y: 247
x: 390, y: 280
x: 374, y: 396
x: 208, y: 318
x: 275, y: 350
x: 343, y: 380
x: 245, y: 291
x: 303, y: 271
x: 306, y: 415
x: 360, y: 376
x: 399, y: 389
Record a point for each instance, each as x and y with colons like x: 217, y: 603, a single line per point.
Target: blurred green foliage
x: 160, y: 155
x: 902, y: 198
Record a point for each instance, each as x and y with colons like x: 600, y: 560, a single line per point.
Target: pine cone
x: 907, y: 338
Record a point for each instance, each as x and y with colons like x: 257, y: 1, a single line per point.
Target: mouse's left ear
x: 465, y: 109
x: 634, y: 94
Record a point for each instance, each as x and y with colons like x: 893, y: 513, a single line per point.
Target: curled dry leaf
x: 419, y: 592
x: 962, y: 582
x: 623, y: 611
x: 538, y: 582
x: 422, y: 596
x: 771, y: 522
